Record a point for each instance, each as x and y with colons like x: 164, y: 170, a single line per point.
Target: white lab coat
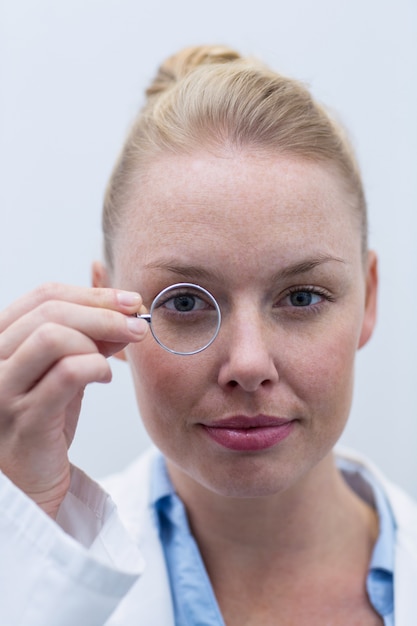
x: 104, y: 565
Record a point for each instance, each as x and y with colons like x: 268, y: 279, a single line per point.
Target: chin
x: 244, y: 477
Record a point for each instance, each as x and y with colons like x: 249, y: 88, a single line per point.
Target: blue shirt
x: 193, y: 597
x: 380, y: 579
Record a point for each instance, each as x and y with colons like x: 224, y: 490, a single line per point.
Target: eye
x: 304, y: 298
x: 184, y: 303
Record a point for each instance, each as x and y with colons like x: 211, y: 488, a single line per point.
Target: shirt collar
x: 383, y: 553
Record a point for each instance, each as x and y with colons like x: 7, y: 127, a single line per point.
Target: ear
x: 99, y: 275
x: 369, y: 319
x: 100, y: 278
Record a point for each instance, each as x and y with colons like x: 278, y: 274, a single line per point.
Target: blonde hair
x: 209, y: 96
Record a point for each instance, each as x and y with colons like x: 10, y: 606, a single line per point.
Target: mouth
x: 249, y: 434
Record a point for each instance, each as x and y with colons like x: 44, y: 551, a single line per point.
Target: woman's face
x: 275, y: 239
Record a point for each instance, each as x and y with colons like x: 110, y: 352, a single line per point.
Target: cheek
x: 168, y: 387
x: 322, y: 374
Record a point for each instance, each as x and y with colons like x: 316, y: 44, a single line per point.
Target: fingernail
x: 128, y: 298
x: 137, y: 325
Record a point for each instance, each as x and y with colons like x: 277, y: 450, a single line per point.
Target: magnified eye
x: 184, y: 318
x: 304, y: 298
x: 184, y: 303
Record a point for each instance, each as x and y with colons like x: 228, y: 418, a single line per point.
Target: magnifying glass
x: 184, y: 318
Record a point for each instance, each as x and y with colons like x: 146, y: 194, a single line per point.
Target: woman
x: 237, y: 188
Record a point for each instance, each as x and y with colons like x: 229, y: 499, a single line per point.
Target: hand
x: 53, y: 342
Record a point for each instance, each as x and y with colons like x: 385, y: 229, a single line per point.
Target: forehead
x: 236, y: 204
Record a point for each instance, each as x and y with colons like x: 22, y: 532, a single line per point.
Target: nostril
x: 250, y: 385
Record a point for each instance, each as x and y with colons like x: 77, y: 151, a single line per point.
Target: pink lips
x: 249, y: 434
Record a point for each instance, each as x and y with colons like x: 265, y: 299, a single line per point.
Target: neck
x: 320, y: 517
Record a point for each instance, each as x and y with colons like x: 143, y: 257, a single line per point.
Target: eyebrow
x: 306, y: 266
x: 197, y: 273
x: 190, y: 271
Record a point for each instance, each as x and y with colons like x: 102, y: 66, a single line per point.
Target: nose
x: 248, y: 352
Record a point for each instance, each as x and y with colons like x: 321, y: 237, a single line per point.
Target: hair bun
x: 185, y: 61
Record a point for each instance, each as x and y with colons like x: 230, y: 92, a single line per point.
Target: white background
x: 72, y: 75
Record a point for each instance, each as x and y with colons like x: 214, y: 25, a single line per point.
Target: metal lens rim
x: 197, y: 288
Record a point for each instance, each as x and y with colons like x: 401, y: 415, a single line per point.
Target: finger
x: 101, y: 325
x: 46, y: 403
x: 32, y: 360
x: 115, y: 299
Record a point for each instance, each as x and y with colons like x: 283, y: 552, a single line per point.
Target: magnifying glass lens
x: 185, y: 318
